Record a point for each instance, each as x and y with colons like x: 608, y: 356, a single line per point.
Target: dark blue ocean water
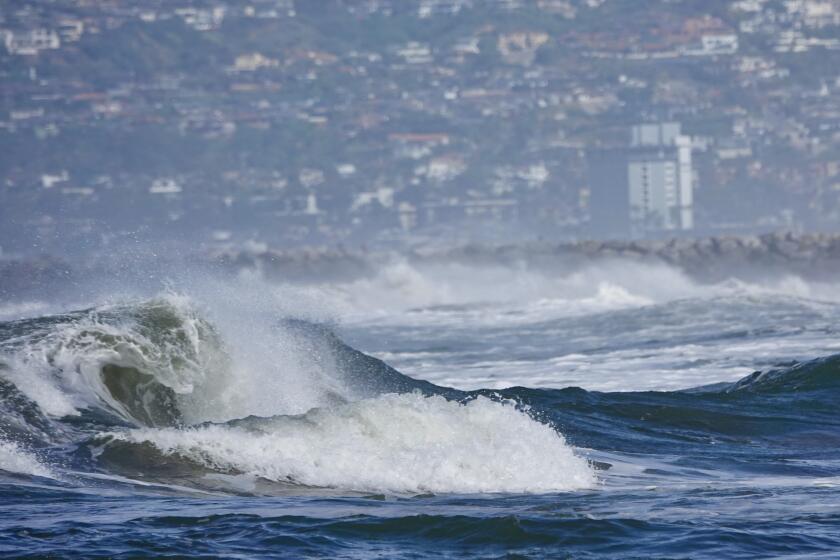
x: 740, y: 472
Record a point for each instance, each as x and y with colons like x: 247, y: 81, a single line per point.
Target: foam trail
x: 399, y: 443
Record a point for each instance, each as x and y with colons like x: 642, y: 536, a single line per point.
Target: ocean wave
x: 406, y: 443
x: 131, y: 360
x: 161, y: 363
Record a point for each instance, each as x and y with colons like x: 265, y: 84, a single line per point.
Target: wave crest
x: 131, y: 360
x: 813, y: 375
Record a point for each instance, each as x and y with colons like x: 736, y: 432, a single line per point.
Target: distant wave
x: 407, y: 292
x: 816, y: 375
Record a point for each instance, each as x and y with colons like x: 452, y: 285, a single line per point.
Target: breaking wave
x: 406, y: 443
x: 159, y: 378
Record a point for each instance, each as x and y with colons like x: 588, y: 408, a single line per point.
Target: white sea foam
x: 399, y: 443
x: 15, y: 459
x: 489, y: 292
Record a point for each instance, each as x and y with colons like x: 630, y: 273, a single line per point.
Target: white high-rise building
x: 645, y: 188
x: 659, y: 178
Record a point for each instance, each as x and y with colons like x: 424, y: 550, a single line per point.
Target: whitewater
x: 447, y: 409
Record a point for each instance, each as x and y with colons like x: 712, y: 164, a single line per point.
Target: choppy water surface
x: 443, y: 412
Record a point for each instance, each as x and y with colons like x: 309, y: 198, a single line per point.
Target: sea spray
x: 15, y: 459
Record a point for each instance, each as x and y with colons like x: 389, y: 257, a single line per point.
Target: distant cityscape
x: 407, y: 122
